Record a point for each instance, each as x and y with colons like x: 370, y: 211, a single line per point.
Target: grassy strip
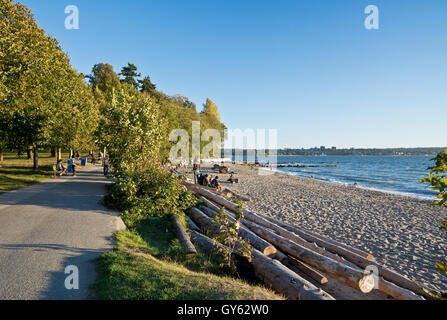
x: 148, y: 264
x: 18, y: 173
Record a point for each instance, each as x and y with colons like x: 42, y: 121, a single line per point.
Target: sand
x: 401, y: 232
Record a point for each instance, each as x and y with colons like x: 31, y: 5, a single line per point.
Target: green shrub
x: 152, y: 193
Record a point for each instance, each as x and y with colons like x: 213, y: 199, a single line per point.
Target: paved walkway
x: 48, y: 226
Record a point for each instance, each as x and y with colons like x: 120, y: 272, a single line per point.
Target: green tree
x: 132, y: 131
x: 130, y: 74
x: 147, y: 86
x: 103, y: 77
x: 210, y: 110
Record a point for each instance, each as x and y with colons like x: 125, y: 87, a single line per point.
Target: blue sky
x: 307, y: 68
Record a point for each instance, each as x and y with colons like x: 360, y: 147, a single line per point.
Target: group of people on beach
x: 206, y: 180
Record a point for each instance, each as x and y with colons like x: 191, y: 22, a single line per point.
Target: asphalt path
x: 51, y: 234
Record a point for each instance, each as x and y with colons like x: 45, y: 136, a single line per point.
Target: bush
x: 152, y: 193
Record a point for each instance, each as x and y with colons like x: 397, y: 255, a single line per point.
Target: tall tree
x: 130, y: 74
x: 210, y: 110
x: 103, y: 77
x: 147, y: 86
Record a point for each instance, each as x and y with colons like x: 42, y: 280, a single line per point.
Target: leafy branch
x: 229, y: 237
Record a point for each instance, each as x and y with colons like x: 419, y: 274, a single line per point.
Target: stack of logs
x: 282, y: 253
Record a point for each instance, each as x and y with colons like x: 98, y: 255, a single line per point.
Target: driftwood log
x: 191, y: 224
x: 307, y: 270
x: 356, y: 259
x: 271, y: 272
x: 204, y: 221
x: 353, y: 277
x: 183, y: 237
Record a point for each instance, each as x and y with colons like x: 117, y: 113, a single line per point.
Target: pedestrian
x: 105, y: 164
x: 73, y: 164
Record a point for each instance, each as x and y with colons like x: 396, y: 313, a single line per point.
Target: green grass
x: 18, y: 173
x: 148, y: 264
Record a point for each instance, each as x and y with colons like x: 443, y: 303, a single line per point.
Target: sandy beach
x: 401, y: 232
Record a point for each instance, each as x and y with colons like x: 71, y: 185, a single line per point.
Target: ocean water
x: 392, y: 174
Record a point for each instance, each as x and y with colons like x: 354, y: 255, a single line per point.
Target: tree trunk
x: 36, y: 157
x: 191, y: 224
x: 28, y: 151
x: 53, y: 152
x: 59, y: 154
x: 1, y: 154
x: 272, y: 273
x: 182, y: 236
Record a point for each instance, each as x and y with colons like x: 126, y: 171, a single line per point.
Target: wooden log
x: 281, y: 257
x: 356, y: 259
x: 271, y: 272
x: 353, y: 277
x: 191, y: 224
x: 307, y: 270
x: 384, y: 286
x: 296, y: 229
x: 204, y: 221
x: 183, y: 237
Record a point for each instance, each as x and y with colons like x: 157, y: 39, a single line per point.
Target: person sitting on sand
x: 215, y: 183
x: 233, y: 180
x: 206, y: 180
x: 356, y: 184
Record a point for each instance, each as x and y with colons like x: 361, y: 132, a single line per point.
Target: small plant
x: 229, y: 237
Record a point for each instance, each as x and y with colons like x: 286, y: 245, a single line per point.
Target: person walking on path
x: 73, y: 164
x: 196, y: 168
x: 105, y: 164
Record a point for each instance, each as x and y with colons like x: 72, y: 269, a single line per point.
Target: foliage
x: 229, y: 237
x: 132, y: 130
x: 438, y: 181
x: 130, y: 74
x: 147, y: 86
x: 42, y: 97
x: 103, y: 77
x: 437, y: 178
x: 154, y: 192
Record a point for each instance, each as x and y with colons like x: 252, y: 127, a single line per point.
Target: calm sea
x: 393, y: 174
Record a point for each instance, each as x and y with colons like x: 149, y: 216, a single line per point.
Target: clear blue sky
x: 307, y: 68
